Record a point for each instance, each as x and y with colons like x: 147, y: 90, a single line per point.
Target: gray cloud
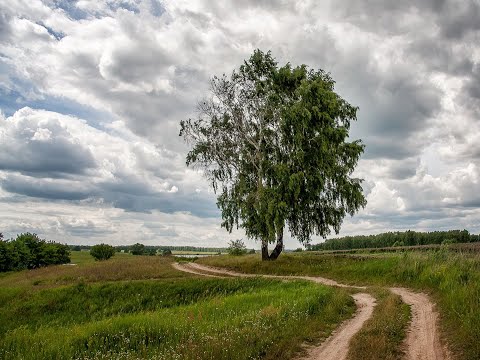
x: 53, y: 190
x: 411, y: 67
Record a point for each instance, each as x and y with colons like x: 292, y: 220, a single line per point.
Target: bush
x: 28, y: 251
x: 137, y: 249
x: 102, y: 252
x: 237, y: 247
x: 166, y: 252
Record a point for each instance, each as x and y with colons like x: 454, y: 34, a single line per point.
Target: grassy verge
x: 105, y: 310
x: 382, y: 335
x: 264, y: 318
x: 453, y: 279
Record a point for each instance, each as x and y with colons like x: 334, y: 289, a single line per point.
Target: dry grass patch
x: 118, y: 268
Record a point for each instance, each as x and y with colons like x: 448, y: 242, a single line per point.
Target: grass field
x: 453, y: 280
x: 139, y: 307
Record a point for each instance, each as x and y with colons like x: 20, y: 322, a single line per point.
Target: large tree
x: 273, y: 141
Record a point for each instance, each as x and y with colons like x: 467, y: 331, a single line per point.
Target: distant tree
x: 166, y: 252
x: 252, y: 251
x: 102, y: 251
x: 6, y: 256
x: 273, y: 141
x: 237, y: 247
x: 137, y: 249
x: 150, y: 252
x: 28, y: 251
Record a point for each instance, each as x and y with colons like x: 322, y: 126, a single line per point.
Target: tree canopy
x: 28, y: 251
x: 273, y: 142
x: 102, y: 252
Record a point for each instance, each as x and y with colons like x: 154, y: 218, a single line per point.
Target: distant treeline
x: 28, y: 251
x: 406, y: 238
x: 148, y: 248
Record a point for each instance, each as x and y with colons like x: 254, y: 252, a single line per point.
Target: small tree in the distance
x: 137, y: 249
x: 237, y: 247
x: 102, y: 251
x: 166, y: 252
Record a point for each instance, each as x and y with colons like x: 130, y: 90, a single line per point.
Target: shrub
x: 137, y: 249
x: 237, y: 247
x: 28, y: 251
x: 166, y: 252
x: 102, y: 251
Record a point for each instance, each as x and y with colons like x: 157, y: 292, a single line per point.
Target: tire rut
x: 423, y: 338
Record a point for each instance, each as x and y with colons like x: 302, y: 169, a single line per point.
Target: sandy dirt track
x: 336, y: 346
x: 423, y: 339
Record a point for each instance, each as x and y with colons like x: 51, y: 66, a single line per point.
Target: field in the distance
x: 132, y: 307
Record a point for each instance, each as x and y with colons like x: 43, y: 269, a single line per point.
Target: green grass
x: 244, y: 324
x: 105, y: 310
x: 453, y: 279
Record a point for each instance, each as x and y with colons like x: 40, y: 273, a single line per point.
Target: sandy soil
x: 336, y: 346
x: 423, y: 339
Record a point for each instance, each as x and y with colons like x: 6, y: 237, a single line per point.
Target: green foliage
x: 28, y: 251
x: 102, y: 251
x: 407, y: 238
x: 273, y: 142
x: 137, y: 249
x: 166, y: 252
x: 188, y: 319
x: 237, y: 247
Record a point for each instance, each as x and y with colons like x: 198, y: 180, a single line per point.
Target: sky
x: 92, y: 93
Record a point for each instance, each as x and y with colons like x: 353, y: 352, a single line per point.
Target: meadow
x: 451, y: 278
x: 139, y: 307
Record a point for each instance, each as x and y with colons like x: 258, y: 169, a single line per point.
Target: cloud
x: 93, y: 92
x: 53, y: 156
x: 40, y: 145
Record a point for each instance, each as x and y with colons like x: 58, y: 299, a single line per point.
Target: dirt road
x: 336, y: 346
x: 423, y: 339
x: 422, y: 342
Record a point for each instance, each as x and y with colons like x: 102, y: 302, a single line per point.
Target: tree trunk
x: 276, y: 251
x: 265, y: 250
x: 278, y: 247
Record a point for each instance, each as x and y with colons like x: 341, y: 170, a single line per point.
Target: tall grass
x: 250, y: 319
x: 453, y: 279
